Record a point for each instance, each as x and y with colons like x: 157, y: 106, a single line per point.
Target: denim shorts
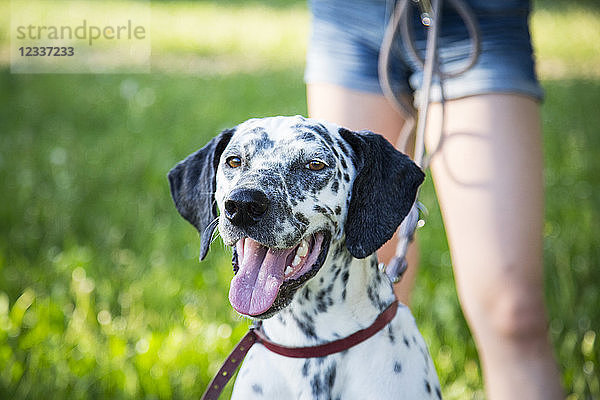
x: 346, y: 36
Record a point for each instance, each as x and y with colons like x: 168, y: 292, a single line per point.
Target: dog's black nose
x: 245, y: 207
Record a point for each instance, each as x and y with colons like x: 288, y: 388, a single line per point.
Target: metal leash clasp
x: 406, y: 232
x: 426, y: 11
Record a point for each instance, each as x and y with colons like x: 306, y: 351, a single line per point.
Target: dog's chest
x: 393, y: 362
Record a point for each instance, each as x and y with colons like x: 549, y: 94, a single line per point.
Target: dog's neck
x: 346, y: 295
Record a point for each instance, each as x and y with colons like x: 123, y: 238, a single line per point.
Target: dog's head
x: 285, y: 187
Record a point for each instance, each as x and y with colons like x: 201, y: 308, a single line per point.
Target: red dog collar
x: 255, y: 335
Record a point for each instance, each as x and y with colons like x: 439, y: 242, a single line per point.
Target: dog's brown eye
x: 233, y: 161
x: 316, y: 165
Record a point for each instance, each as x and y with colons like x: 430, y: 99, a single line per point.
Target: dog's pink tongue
x: 255, y: 286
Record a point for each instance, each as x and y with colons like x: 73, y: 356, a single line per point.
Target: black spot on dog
x: 335, y: 186
x: 306, y: 325
x: 321, y: 304
x: 302, y: 218
x: 324, y: 299
x: 406, y: 342
x: 316, y: 386
x: 329, y: 288
x: 374, y: 297
x: 306, y: 368
x: 337, y: 252
x: 322, y: 384
x: 397, y: 367
x: 425, y: 356
x: 374, y: 265
x: 438, y: 393
x: 256, y: 388
x: 323, y: 133
x: 347, y: 258
x: 281, y: 319
x: 258, y: 144
x: 338, y: 210
x: 391, y: 334
x: 342, y: 145
x: 427, y: 387
x: 305, y: 135
x: 330, y: 376
x: 336, y: 272
x: 306, y: 293
x: 345, y: 277
x: 322, y: 210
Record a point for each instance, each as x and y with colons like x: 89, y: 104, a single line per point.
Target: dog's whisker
x: 211, y: 227
x: 215, y: 232
x: 215, y: 236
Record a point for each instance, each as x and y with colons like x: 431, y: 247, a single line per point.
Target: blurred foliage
x: 572, y: 233
x: 101, y: 292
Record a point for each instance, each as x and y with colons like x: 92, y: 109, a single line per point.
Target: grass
x: 101, y: 292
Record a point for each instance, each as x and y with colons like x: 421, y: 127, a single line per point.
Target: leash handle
x: 231, y: 364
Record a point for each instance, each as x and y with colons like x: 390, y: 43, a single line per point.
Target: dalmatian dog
x: 305, y: 204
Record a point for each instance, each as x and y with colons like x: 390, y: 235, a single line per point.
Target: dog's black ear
x: 193, y: 185
x: 385, y: 187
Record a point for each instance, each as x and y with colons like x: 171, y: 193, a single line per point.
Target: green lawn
x: 101, y: 292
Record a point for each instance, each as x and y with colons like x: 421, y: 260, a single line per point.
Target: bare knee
x: 517, y: 315
x: 505, y: 306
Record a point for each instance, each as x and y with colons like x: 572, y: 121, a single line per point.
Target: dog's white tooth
x: 289, y: 270
x: 303, y: 249
x: 297, y: 261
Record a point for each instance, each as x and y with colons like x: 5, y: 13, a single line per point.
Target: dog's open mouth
x: 263, y: 274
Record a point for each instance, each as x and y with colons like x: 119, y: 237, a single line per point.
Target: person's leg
x: 359, y: 110
x: 488, y: 178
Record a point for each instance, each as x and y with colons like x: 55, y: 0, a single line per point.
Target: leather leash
x: 254, y: 335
